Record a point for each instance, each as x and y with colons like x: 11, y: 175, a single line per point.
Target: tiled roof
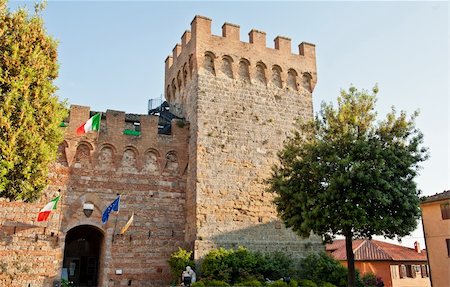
x: 370, y: 250
x: 436, y: 197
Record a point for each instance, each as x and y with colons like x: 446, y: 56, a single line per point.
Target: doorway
x: 82, y: 255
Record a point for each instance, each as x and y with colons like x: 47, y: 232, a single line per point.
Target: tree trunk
x: 350, y: 259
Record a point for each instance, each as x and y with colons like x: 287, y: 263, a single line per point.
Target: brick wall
x: 148, y: 171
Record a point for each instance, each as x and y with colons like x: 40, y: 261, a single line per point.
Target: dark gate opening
x: 82, y: 255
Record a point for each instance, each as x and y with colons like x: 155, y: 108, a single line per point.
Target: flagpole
x: 60, y: 214
x: 99, y: 124
x: 115, y: 224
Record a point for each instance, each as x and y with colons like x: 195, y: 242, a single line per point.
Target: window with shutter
x: 445, y: 210
x: 448, y: 246
x: 423, y: 271
x: 394, y: 271
x: 402, y: 269
x: 409, y: 271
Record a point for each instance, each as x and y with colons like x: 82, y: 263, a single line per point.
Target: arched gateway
x: 82, y: 253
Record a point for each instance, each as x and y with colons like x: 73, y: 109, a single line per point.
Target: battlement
x: 226, y: 56
x: 126, y: 142
x: 114, y: 123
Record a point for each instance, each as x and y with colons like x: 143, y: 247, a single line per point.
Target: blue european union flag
x: 114, y: 206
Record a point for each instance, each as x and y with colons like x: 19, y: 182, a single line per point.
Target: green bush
x: 371, y: 280
x: 307, y: 283
x: 252, y: 283
x: 198, y: 284
x: 216, y: 265
x: 216, y: 283
x: 293, y: 283
x: 240, y: 265
x: 178, y: 262
x: 327, y: 284
x: 278, y: 283
x: 321, y: 268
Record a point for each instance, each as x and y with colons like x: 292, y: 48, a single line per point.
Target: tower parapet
x: 228, y: 56
x: 121, y: 134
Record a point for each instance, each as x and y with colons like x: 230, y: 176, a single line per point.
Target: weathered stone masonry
x: 200, y: 187
x: 241, y: 100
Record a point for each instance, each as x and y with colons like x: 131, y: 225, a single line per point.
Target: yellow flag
x: 125, y: 227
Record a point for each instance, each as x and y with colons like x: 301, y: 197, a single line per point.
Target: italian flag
x: 93, y: 124
x: 45, y: 212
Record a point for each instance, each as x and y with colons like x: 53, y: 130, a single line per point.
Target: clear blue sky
x: 112, y: 54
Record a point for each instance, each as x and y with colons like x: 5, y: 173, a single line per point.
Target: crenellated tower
x: 241, y: 100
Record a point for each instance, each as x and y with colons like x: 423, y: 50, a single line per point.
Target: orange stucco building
x: 398, y: 266
x: 436, y: 228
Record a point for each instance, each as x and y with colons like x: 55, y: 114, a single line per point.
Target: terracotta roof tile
x: 436, y: 197
x: 369, y: 250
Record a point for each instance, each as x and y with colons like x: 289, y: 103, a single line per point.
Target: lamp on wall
x: 88, y: 208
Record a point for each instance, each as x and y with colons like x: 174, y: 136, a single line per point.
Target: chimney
x: 417, y: 246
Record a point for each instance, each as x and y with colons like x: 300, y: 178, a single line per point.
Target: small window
x: 137, y: 126
x: 445, y: 210
x: 424, y: 270
x: 410, y: 272
x: 448, y: 247
x: 402, y: 269
x: 394, y: 271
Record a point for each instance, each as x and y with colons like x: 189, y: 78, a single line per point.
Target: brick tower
x: 241, y: 100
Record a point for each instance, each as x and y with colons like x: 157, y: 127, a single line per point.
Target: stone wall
x: 241, y: 100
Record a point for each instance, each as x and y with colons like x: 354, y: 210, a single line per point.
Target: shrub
x: 307, y: 283
x: 371, y: 280
x: 276, y: 265
x: 279, y: 283
x: 322, y: 268
x: 252, y: 283
x: 216, y: 265
x: 178, y: 262
x: 198, y: 284
x: 327, y: 284
x: 242, y: 265
x: 218, y: 283
x: 293, y: 283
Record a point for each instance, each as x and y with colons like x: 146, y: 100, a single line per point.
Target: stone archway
x: 82, y: 252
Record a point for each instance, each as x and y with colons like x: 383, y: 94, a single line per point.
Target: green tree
x: 30, y: 113
x: 346, y: 174
x: 178, y: 262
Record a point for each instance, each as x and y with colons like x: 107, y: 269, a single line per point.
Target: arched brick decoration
x: 83, y: 156
x: 168, y: 94
x: 227, y: 66
x: 106, y: 158
x: 276, y: 76
x: 171, y: 163
x: 174, y: 88
x: 151, y: 162
x: 191, y: 65
x: 179, y: 81
x: 185, y: 73
x: 208, y: 63
x: 292, y: 79
x: 306, y: 81
x: 244, y: 73
x: 62, y: 157
x: 261, y: 73
x: 129, y: 161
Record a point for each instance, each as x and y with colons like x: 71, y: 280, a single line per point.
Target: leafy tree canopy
x: 346, y: 174
x: 30, y: 113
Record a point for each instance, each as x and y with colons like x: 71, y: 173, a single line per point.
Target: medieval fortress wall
x: 148, y: 171
x: 200, y: 187
x: 241, y: 100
